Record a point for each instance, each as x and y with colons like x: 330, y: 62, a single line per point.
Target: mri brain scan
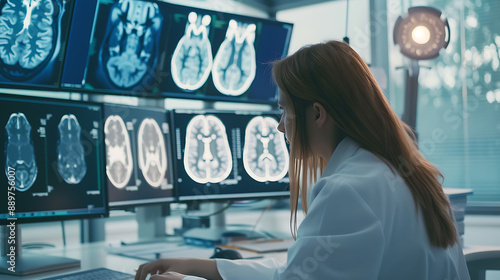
x: 265, y: 156
x: 192, y: 58
x: 29, y: 35
x: 19, y: 152
x: 119, y: 163
x: 152, y: 152
x: 234, y: 65
x: 70, y: 153
x: 207, y: 156
x: 130, y: 49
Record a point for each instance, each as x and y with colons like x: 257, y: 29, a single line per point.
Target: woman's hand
x: 161, y: 266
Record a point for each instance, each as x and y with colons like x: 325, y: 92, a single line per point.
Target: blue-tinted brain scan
x: 29, y: 36
x: 207, y: 156
x: 234, y: 65
x: 70, y: 153
x: 265, y: 156
x: 152, y: 152
x: 192, y: 58
x: 131, y: 46
x: 19, y: 152
x: 119, y: 162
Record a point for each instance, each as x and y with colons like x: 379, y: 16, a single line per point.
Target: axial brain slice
x: 118, y: 151
x: 192, y: 58
x: 265, y: 156
x: 70, y: 153
x: 28, y: 37
x: 130, y: 49
x: 20, y: 153
x: 234, y: 65
x: 152, y: 152
x: 207, y: 156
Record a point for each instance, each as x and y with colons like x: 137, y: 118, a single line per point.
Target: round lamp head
x: 422, y: 33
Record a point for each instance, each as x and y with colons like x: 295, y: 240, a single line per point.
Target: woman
x: 378, y: 210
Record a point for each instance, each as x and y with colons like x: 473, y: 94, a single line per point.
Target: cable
x: 346, y: 39
x: 63, y: 234
x: 216, y: 212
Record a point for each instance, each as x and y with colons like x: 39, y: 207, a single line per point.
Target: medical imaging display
x: 138, y: 155
x: 125, y: 47
x: 207, y: 156
x: 192, y: 58
x: 54, y: 148
x: 221, y: 56
x: 223, y: 155
x: 234, y: 64
x: 32, y: 41
x: 265, y: 155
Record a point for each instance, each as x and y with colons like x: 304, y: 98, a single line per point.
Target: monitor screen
x: 138, y: 155
x: 227, y: 155
x: 53, y: 158
x: 33, y: 37
x: 153, y: 48
x: 222, y: 56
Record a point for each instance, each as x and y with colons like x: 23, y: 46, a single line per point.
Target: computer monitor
x: 33, y: 37
x: 138, y: 155
x: 229, y: 156
x: 120, y: 47
x: 159, y: 49
x: 52, y: 161
x: 220, y: 56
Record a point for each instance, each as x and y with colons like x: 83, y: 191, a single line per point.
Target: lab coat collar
x: 345, y: 149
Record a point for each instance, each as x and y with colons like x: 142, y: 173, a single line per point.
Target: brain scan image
x: 234, y: 65
x: 19, y: 152
x: 152, y: 152
x: 192, y: 58
x: 207, y: 156
x: 265, y: 156
x: 70, y: 153
x: 119, y: 164
x: 130, y: 49
x: 29, y: 36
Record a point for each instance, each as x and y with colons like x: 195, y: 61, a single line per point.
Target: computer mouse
x: 229, y: 254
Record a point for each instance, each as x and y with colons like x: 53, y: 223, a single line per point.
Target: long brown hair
x: 334, y: 75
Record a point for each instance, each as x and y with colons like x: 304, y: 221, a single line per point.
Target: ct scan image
x: 19, y: 152
x: 207, y: 155
x: 192, y: 59
x: 265, y: 155
x: 234, y: 64
x: 70, y: 153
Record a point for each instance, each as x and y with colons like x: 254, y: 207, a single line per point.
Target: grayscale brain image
x: 138, y: 164
x: 152, y: 152
x: 20, y: 153
x: 129, y: 47
x: 119, y: 164
x: 70, y: 153
x: 207, y: 155
x: 265, y: 155
x: 234, y: 64
x: 192, y: 59
x: 31, y: 35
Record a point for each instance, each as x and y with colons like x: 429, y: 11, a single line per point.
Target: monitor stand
x: 151, y: 224
x: 218, y: 233
x: 14, y: 262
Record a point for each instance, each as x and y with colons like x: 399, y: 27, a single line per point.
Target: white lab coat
x: 362, y: 224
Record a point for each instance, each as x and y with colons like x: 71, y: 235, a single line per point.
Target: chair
x: 481, y: 258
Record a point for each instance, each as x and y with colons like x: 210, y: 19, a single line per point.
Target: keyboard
x: 91, y: 274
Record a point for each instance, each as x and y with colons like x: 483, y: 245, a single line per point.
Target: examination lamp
x: 420, y: 35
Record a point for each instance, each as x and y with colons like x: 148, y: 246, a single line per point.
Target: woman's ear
x: 320, y: 114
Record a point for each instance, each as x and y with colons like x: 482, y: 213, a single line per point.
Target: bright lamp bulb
x: 421, y: 35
